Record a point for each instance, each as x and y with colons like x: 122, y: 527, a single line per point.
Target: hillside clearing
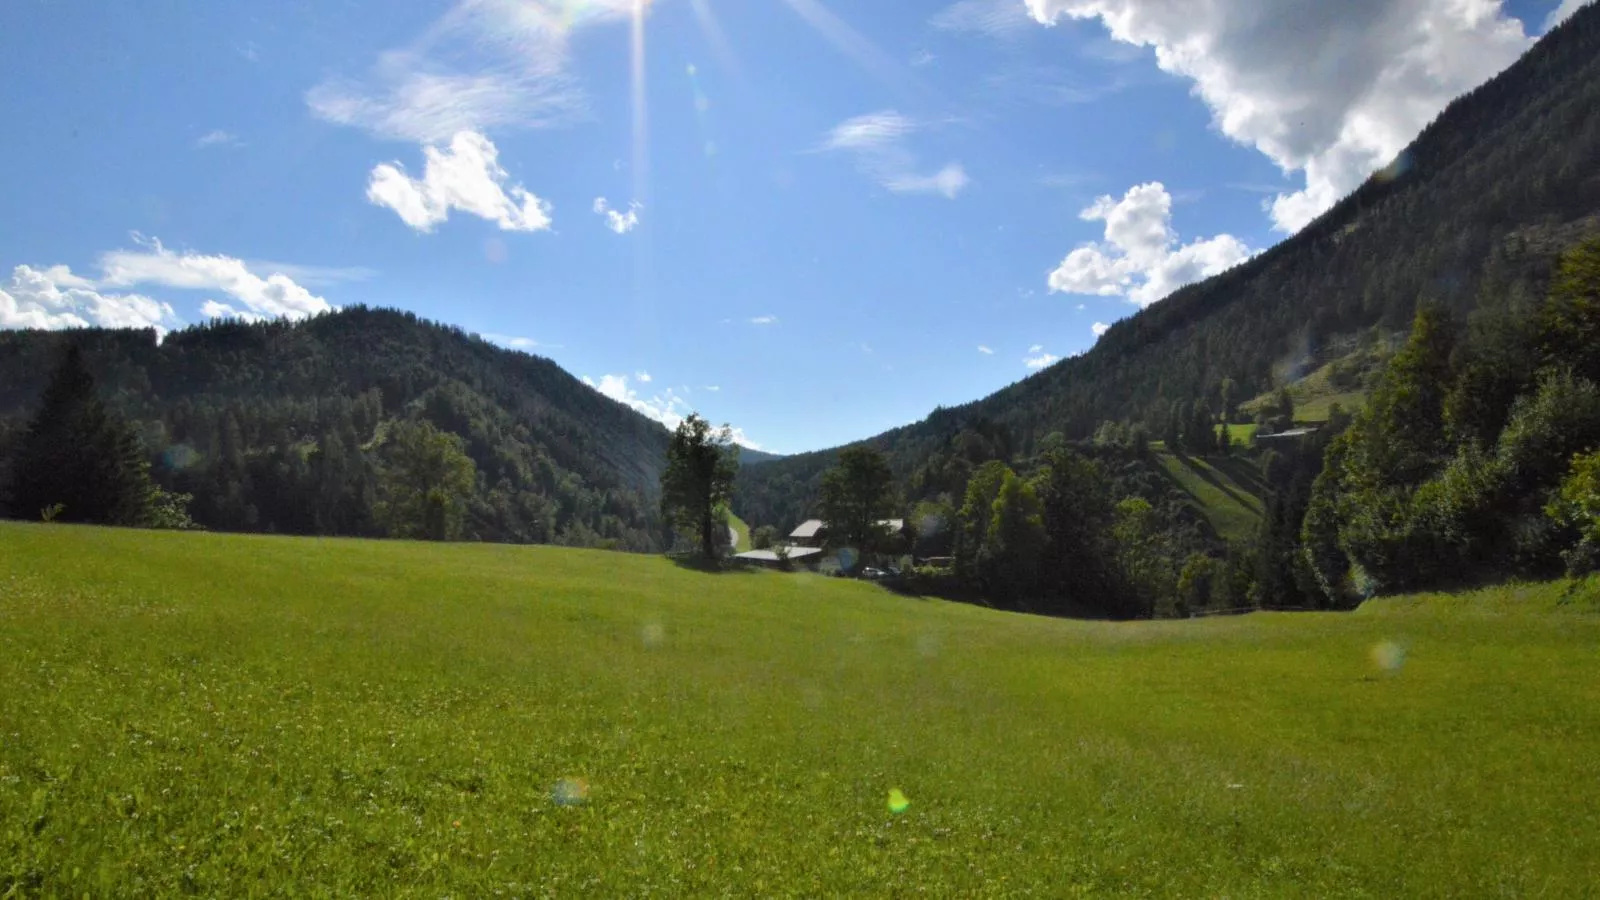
x: 230, y: 715
x: 1226, y: 490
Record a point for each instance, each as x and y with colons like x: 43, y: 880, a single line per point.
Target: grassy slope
x: 1226, y: 489
x: 241, y: 715
x: 741, y: 533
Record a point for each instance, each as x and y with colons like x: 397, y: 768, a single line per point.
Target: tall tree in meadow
x: 426, y: 482
x: 78, y: 460
x: 857, y: 494
x: 701, y: 465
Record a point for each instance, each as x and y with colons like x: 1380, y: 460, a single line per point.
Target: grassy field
x: 238, y: 716
x: 741, y: 534
x: 1225, y: 489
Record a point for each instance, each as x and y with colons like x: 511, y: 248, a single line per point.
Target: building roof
x: 807, y: 529
x: 1294, y: 433
x: 795, y: 553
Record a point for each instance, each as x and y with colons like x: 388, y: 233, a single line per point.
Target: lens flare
x: 1388, y: 657
x: 897, y: 802
x: 570, y: 792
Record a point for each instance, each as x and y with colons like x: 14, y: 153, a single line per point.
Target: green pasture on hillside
x: 242, y: 716
x: 1226, y: 490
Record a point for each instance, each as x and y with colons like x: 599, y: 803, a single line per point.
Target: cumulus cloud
x: 995, y: 18
x: 878, y: 142
x: 250, y: 295
x: 665, y: 407
x: 619, y: 222
x: 484, y: 65
x: 1140, y: 258
x: 1100, y: 329
x: 466, y: 176
x: 985, y: 350
x: 1562, y: 13
x: 1038, y: 359
x: 54, y: 298
x: 1330, y: 90
x: 644, y: 377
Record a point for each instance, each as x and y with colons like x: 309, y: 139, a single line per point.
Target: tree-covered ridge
x: 1480, y: 205
x: 285, y: 427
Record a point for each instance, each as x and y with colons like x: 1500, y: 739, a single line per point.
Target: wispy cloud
x: 217, y: 138
x: 877, y: 141
x: 484, y: 65
x: 764, y: 320
x: 995, y: 18
x: 985, y: 350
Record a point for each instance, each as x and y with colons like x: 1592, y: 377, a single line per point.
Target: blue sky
x: 813, y: 219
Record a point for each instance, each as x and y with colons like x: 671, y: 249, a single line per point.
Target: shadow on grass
x: 712, y: 566
x: 1242, y: 471
x: 1201, y: 471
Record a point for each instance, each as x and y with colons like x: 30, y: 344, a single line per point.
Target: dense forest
x: 288, y: 427
x: 1479, y: 206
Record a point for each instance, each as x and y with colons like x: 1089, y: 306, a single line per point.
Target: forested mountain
x: 1480, y: 204
x: 279, y: 426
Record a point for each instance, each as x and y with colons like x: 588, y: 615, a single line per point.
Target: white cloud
x: 995, y: 18
x: 54, y: 298
x: 948, y: 182
x: 619, y: 222
x: 467, y: 176
x: 985, y: 350
x: 713, y: 388
x: 217, y: 138
x: 764, y: 320
x: 1100, y: 329
x: 644, y: 377
x: 1330, y: 90
x: 665, y: 407
x: 1562, y: 13
x: 1040, y: 360
x: 1139, y: 259
x: 1036, y: 348
x: 877, y: 140
x: 484, y: 65
x: 511, y: 341
x: 313, y: 276
x: 252, y: 296
x: 872, y: 132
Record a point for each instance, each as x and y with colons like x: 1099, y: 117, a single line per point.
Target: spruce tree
x: 78, y: 461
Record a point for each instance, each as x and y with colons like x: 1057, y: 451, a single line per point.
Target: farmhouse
x: 798, y: 556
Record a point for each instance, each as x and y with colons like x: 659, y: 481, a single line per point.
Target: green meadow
x: 247, y: 716
x: 1225, y: 489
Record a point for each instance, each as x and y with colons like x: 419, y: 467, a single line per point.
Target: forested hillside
x: 1480, y: 205
x: 281, y: 427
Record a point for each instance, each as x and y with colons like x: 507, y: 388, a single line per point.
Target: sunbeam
x: 641, y: 112
x: 850, y: 42
x: 714, y: 35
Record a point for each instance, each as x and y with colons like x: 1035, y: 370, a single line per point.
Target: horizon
x: 859, y: 190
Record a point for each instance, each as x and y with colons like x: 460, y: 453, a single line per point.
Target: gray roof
x: 807, y: 529
x: 795, y: 553
x: 1293, y: 433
